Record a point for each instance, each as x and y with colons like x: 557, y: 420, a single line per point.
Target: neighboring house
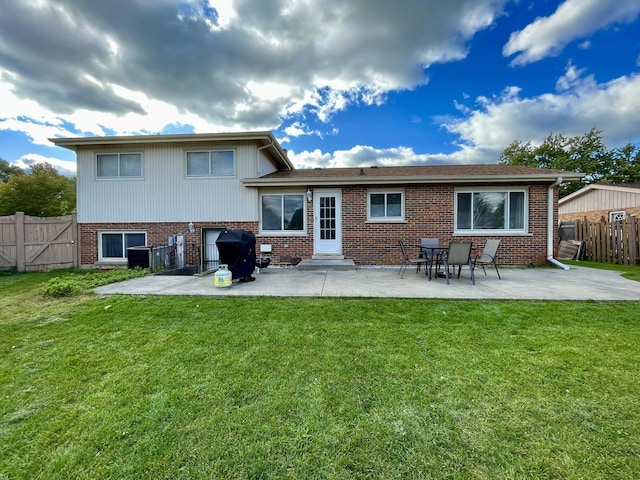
x: 600, y: 202
x: 157, y: 189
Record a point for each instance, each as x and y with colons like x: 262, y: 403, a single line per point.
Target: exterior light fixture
x: 309, y: 195
x: 192, y: 228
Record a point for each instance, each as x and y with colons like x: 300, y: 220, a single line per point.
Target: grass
x: 631, y: 272
x: 192, y: 387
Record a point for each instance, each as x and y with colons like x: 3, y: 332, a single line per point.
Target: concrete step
x: 327, y: 264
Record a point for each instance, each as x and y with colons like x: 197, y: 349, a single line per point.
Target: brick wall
x: 429, y: 212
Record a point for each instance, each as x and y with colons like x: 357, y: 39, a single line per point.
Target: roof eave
x: 596, y: 186
x: 72, y: 143
x: 399, y: 180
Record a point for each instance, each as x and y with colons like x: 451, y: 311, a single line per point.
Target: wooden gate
x: 35, y: 243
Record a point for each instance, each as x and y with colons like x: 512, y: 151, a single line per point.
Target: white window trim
x: 489, y: 231
x: 209, y: 151
x: 400, y: 219
x: 284, y: 233
x: 112, y: 260
x: 108, y: 179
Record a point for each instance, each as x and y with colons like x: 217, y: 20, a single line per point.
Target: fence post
x: 21, y: 259
x: 76, y: 240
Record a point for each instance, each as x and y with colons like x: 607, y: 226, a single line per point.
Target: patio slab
x: 578, y: 283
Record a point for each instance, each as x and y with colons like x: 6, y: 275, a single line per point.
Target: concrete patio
x: 549, y: 283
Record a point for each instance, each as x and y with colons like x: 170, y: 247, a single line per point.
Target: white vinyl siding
x: 166, y: 194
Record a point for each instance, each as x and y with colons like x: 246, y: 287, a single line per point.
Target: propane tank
x: 222, y: 277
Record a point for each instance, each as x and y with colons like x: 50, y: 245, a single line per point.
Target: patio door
x: 327, y: 222
x: 211, y: 256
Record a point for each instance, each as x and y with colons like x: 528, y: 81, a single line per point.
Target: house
x: 161, y: 189
x: 600, y: 202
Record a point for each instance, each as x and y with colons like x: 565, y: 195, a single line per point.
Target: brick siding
x: 429, y: 212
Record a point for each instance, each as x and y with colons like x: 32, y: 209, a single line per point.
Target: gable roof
x: 411, y: 174
x: 626, y: 187
x: 265, y: 140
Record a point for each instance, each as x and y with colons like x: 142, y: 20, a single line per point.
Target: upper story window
x: 282, y: 213
x: 214, y: 163
x: 491, y: 211
x: 384, y: 205
x: 119, y: 165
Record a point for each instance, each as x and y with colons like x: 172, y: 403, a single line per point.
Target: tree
x: 6, y: 169
x: 586, y: 154
x: 43, y: 193
x: 626, y: 161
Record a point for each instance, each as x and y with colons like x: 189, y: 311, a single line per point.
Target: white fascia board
x: 367, y: 180
x: 73, y: 143
x: 589, y: 188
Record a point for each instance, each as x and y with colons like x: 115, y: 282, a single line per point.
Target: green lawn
x: 191, y: 387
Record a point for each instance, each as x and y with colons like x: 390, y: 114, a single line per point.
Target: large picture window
x: 119, y: 165
x: 282, y: 213
x: 491, y: 211
x: 215, y: 163
x: 385, y: 205
x: 112, y: 246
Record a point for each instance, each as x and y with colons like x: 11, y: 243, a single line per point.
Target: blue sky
x: 364, y: 82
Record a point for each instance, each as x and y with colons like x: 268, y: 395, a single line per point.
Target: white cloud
x: 219, y: 64
x: 572, y: 20
x: 65, y: 168
x: 581, y: 105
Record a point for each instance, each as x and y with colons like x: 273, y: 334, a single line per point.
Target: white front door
x: 327, y: 222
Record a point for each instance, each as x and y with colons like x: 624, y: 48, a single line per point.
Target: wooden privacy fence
x: 609, y: 242
x: 35, y: 243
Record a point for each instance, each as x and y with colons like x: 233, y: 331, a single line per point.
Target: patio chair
x: 409, y: 261
x: 431, y: 254
x: 488, y: 255
x: 459, y: 254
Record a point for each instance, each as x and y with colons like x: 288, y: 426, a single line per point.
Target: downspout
x: 551, y: 227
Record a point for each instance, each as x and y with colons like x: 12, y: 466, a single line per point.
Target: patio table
x: 429, y: 253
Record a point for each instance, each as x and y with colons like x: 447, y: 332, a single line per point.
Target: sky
x: 339, y: 83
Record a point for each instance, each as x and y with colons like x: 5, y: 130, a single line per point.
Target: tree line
x: 41, y: 191
x: 584, y: 153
